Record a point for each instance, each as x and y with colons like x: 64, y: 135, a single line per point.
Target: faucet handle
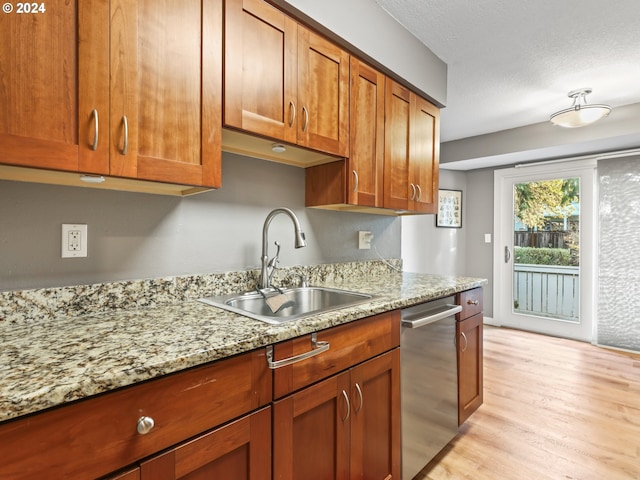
x: 274, y: 260
x: 304, y: 283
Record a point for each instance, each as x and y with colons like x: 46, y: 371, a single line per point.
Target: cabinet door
x: 312, y: 429
x: 424, y: 158
x: 239, y: 450
x: 260, y: 69
x: 375, y: 418
x: 166, y: 70
x: 469, y: 341
x: 397, y: 147
x: 365, y: 163
x: 53, y: 74
x: 323, y: 94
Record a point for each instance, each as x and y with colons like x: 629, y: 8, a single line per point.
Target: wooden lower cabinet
x: 99, y: 435
x: 347, y: 426
x: 335, y: 415
x: 240, y: 450
x: 469, y: 341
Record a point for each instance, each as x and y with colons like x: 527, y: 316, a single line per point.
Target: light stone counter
x: 47, y: 361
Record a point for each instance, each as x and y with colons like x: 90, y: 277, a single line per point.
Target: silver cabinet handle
x: 94, y: 114
x: 346, y: 399
x: 507, y: 254
x: 466, y: 343
x: 413, y: 195
x: 359, y: 390
x: 419, y: 193
x: 317, y: 347
x: 125, y: 143
x: 356, y: 181
x: 145, y: 425
x: 473, y: 302
x: 306, y: 119
x: 292, y: 110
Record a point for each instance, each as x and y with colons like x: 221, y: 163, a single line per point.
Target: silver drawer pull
x: 473, y: 302
x: 145, y: 425
x: 317, y: 347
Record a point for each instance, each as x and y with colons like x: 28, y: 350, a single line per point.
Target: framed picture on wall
x: 449, y: 214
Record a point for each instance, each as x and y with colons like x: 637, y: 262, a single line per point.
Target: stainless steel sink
x: 299, y: 303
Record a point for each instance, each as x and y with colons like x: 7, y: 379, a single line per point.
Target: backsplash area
x: 49, y: 303
x: 137, y: 235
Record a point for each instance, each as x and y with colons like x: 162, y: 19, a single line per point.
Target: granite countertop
x: 45, y: 363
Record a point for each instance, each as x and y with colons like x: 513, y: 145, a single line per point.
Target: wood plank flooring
x: 553, y: 409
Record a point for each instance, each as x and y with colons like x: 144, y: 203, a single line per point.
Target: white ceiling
x: 512, y: 63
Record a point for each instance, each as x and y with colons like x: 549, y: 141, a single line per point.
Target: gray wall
x: 479, y: 209
x: 133, y: 236
x: 455, y: 251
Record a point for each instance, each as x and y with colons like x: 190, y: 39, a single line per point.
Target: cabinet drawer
x: 471, y: 301
x: 350, y: 344
x: 99, y: 435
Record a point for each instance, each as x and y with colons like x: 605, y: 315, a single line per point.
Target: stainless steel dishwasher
x: 429, y: 378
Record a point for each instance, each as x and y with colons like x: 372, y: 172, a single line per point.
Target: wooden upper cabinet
x: 283, y: 81
x: 165, y: 84
x: 397, y: 142
x: 71, y: 75
x: 411, y: 151
x: 260, y: 88
x: 53, y: 75
x: 425, y: 155
x: 365, y: 163
x: 357, y: 180
x: 323, y: 94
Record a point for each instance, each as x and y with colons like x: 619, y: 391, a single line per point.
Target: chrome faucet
x: 268, y: 266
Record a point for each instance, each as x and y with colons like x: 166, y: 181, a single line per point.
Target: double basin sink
x: 276, y: 307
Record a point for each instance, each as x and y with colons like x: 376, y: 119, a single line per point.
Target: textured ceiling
x: 512, y: 63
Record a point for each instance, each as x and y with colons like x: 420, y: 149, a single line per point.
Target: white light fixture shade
x: 580, y: 113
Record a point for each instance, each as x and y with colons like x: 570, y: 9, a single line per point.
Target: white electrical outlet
x: 364, y: 240
x: 487, y: 238
x: 74, y: 240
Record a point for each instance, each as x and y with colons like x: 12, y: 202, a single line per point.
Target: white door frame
x: 503, y: 233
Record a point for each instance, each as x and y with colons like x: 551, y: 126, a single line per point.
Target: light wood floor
x: 553, y: 409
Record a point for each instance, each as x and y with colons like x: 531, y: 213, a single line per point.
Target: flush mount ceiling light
x: 278, y: 148
x: 580, y: 113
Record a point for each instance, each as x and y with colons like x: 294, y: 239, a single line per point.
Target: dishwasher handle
x: 426, y: 320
